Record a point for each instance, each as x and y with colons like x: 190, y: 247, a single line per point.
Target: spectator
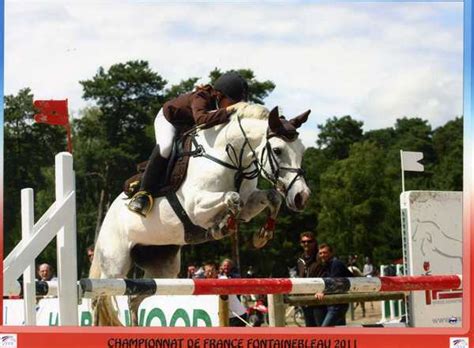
x: 356, y: 272
x: 227, y: 268
x: 191, y: 271
x: 368, y: 270
x: 90, y: 253
x: 352, y: 266
x: 45, y: 272
x: 238, y: 314
x: 336, y: 314
x: 309, y: 266
x: 199, y: 273
x: 210, y: 271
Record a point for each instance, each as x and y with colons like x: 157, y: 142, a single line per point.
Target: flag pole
x: 69, y: 140
x: 68, y: 130
x: 403, y: 171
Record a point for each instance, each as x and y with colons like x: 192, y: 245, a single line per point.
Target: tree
x: 448, y: 147
x: 354, y: 207
x: 30, y: 149
x: 337, y: 135
x: 114, y: 136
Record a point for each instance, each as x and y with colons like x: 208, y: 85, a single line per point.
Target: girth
x: 193, y: 234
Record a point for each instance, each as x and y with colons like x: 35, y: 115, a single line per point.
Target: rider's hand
x: 230, y: 110
x: 319, y: 295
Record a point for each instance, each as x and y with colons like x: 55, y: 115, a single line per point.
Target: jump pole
x: 356, y: 286
x: 264, y: 286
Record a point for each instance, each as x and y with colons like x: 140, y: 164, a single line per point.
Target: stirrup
x: 142, y: 208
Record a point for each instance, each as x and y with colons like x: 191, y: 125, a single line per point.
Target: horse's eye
x: 277, y: 151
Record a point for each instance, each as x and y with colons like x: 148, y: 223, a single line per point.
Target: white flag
x: 410, y: 161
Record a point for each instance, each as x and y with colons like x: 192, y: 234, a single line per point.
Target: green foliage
x: 353, y: 201
x: 336, y: 136
x: 448, y: 146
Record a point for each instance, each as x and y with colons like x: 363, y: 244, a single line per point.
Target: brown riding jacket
x: 188, y: 110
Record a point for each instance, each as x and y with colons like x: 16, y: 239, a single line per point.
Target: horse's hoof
x: 225, y: 228
x: 261, y: 238
x: 233, y: 202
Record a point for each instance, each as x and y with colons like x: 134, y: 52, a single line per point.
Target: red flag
x: 53, y: 112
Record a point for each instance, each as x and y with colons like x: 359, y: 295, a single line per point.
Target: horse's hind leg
x: 110, y: 264
x: 162, y: 261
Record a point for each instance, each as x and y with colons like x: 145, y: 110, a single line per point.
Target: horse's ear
x: 299, y: 120
x: 274, y: 121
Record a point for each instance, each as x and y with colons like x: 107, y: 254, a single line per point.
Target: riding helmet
x: 232, y: 85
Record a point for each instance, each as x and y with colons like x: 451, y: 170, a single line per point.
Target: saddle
x: 175, y: 171
x: 175, y: 175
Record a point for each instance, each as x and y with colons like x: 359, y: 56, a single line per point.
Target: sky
x: 374, y: 61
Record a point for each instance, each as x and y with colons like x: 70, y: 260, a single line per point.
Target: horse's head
x: 281, y: 157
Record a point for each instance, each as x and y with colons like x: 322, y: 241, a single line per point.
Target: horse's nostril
x: 299, y: 201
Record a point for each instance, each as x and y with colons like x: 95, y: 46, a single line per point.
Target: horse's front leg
x: 256, y: 203
x: 217, y: 212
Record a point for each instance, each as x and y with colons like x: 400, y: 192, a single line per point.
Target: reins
x: 241, y: 171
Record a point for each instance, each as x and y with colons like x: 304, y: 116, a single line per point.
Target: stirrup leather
x: 150, y: 202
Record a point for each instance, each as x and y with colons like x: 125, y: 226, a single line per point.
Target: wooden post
x: 224, y: 310
x: 276, y: 310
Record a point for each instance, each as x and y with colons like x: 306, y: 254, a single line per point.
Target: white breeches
x: 164, y: 134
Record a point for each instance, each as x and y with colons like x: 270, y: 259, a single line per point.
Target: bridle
x: 247, y: 172
x: 236, y: 159
x: 274, y: 176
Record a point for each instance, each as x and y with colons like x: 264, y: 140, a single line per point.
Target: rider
x: 207, y: 106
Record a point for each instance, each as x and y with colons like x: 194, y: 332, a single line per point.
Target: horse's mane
x: 249, y: 110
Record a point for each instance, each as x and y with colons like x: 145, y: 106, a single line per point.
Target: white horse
x: 252, y: 143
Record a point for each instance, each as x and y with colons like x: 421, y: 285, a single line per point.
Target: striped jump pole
x: 41, y: 288
x: 264, y: 286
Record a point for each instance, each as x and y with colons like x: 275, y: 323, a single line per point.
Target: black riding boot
x: 152, y: 180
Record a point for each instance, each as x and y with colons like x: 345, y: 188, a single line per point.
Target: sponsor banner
x: 169, y: 311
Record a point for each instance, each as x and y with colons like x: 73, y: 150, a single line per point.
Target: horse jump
x: 59, y: 220
x: 263, y: 286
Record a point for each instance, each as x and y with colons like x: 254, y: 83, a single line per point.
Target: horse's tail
x: 104, y: 312
x: 95, y: 270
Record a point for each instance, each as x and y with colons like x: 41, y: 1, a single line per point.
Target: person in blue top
x: 336, y: 314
